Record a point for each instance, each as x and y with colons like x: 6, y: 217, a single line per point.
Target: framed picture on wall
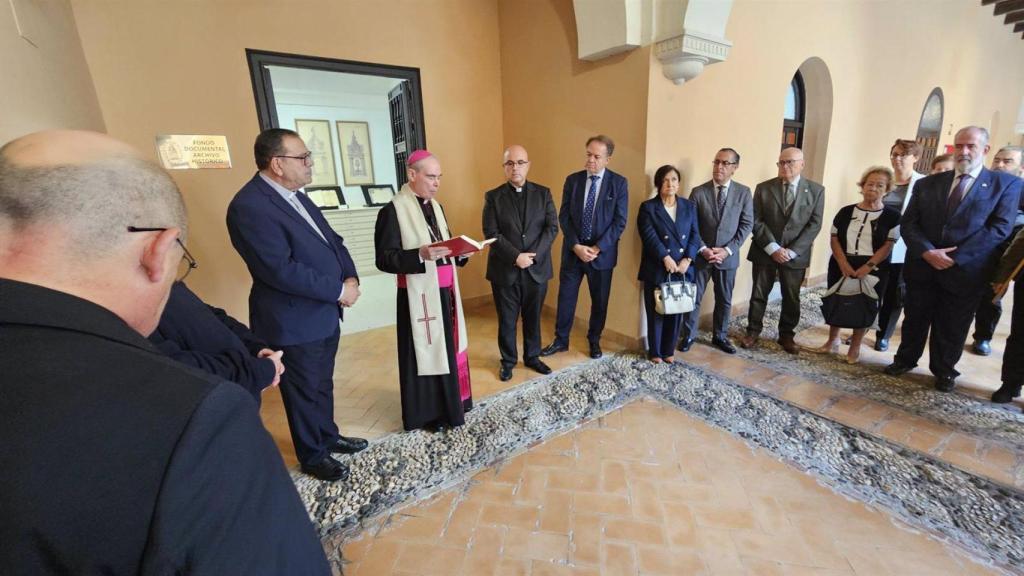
x: 356, y: 156
x: 317, y: 136
x: 326, y: 197
x: 378, y: 194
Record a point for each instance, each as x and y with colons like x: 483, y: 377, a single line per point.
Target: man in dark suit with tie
x: 725, y: 214
x: 787, y: 218
x: 521, y: 216
x: 953, y: 228
x: 302, y: 279
x: 593, y: 214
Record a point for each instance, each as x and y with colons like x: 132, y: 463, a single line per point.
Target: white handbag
x: 675, y: 297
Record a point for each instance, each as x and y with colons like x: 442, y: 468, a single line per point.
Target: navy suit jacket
x: 296, y: 276
x: 610, y: 214
x: 980, y: 224
x: 662, y: 237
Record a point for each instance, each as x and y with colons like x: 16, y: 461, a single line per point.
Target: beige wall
x: 180, y: 67
x: 46, y: 82
x: 884, y: 59
x: 553, y: 102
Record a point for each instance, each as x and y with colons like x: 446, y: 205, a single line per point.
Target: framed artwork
x: 326, y: 197
x: 356, y: 156
x: 317, y: 136
x: 378, y: 194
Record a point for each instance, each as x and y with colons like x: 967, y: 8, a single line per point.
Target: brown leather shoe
x: 788, y: 344
x: 749, y: 340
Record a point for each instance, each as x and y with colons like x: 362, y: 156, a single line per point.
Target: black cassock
x: 427, y: 401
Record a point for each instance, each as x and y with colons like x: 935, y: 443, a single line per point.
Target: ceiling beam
x: 1006, y: 6
x: 1019, y: 27
x: 988, y: 2
x: 1014, y: 17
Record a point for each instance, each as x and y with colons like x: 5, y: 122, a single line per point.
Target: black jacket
x: 205, y: 337
x: 535, y: 233
x: 117, y: 460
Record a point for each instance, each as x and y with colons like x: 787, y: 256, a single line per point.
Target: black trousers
x: 307, y: 389
x: 790, y: 281
x: 987, y: 316
x: 891, y: 306
x: 939, y: 317
x: 1013, y: 356
x: 570, y: 276
x: 524, y: 298
x: 724, y: 281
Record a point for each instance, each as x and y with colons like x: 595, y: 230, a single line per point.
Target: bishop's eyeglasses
x: 188, y: 262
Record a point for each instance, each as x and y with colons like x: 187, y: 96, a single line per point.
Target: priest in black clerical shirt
x: 521, y: 216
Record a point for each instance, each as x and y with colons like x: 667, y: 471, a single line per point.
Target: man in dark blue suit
x: 302, y: 278
x: 953, y: 227
x: 595, y: 202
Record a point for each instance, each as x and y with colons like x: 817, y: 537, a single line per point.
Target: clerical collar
x: 519, y: 189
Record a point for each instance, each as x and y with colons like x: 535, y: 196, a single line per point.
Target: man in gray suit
x: 725, y: 214
x: 787, y: 218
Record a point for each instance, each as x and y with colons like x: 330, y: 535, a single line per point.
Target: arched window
x: 929, y: 129
x: 793, y: 120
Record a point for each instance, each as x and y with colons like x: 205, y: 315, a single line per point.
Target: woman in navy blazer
x: 668, y: 230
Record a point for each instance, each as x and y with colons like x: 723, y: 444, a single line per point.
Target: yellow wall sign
x: 192, y: 151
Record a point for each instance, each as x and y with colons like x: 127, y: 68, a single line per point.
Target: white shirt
x: 970, y: 183
x: 859, y: 231
x: 586, y: 190
x: 725, y: 192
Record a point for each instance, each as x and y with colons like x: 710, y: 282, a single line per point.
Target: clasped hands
x: 525, y: 259
x: 275, y: 357
x: 781, y: 256
x: 849, y: 272
x: 350, y: 294
x: 938, y: 258
x: 714, y: 255
x: 673, y: 267
x: 586, y: 253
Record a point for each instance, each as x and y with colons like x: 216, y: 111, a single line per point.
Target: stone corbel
x: 684, y: 57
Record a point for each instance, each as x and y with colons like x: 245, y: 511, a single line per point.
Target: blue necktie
x: 588, y: 210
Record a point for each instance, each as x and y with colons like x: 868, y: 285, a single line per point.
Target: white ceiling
x: 304, y: 80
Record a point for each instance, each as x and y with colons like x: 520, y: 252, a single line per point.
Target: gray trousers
x: 790, y: 281
x: 724, y: 281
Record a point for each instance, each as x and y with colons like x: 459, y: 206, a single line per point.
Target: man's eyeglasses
x: 898, y: 156
x: 520, y: 163
x: 190, y: 262
x: 782, y: 163
x: 306, y: 158
x: 723, y: 163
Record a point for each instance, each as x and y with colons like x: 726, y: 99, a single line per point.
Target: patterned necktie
x: 721, y: 201
x: 957, y: 195
x: 790, y: 196
x: 588, y: 210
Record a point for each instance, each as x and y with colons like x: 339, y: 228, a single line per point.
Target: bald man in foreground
x: 115, y: 459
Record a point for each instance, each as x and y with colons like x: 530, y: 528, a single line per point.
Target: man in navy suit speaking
x: 953, y: 228
x: 593, y: 215
x: 302, y: 279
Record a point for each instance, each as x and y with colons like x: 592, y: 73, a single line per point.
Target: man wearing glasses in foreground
x: 787, y: 218
x: 117, y: 459
x: 302, y: 280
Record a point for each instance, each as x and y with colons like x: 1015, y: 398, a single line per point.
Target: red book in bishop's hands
x: 462, y: 245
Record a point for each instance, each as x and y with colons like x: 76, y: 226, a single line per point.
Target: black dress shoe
x: 537, y: 366
x: 685, y: 344
x: 348, y: 445
x: 897, y: 368
x: 945, y: 383
x: 553, y: 348
x: 505, y: 373
x: 724, y: 346
x: 327, y: 469
x: 982, y: 347
x: 1006, y: 393
x: 595, y: 350
x: 881, y: 344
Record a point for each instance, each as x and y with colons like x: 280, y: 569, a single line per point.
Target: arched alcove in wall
x: 817, y: 87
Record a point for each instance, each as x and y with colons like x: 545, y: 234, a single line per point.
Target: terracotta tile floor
x: 687, y: 499
x: 646, y: 489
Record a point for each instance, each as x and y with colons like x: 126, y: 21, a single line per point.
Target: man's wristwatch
x: 871, y: 265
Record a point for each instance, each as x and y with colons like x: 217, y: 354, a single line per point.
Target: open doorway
x: 360, y: 121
